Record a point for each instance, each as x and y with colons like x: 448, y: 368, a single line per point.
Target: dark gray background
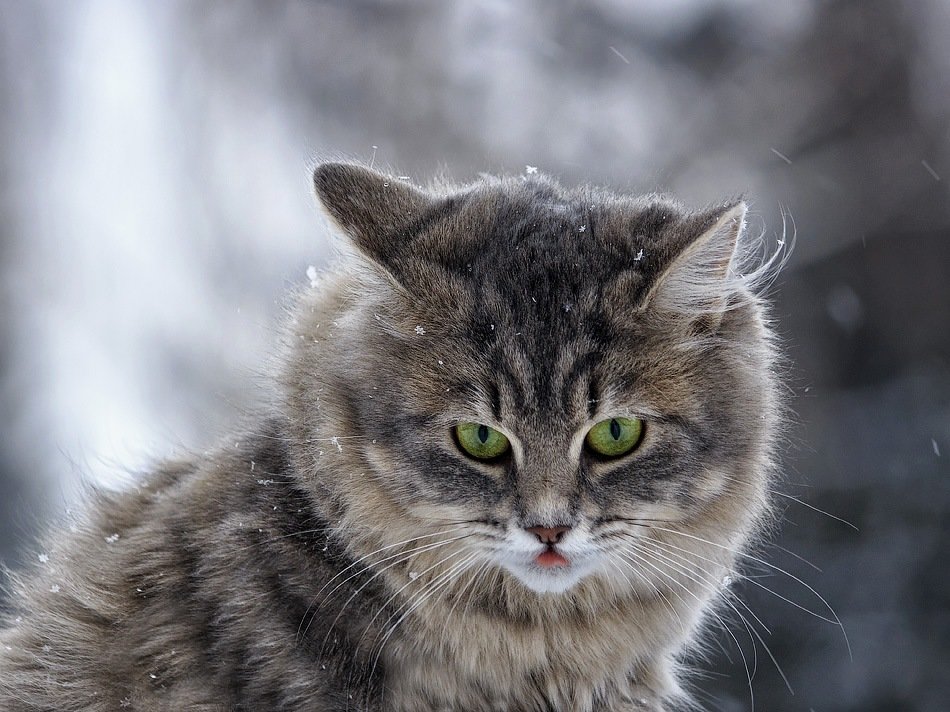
x: 155, y: 203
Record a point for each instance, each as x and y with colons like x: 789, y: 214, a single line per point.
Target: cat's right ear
x: 377, y: 212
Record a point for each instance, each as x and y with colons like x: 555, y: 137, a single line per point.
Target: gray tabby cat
x: 525, y: 432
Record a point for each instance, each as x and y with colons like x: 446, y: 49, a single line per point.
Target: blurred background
x: 155, y: 205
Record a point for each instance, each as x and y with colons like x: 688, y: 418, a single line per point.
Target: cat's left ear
x: 375, y: 211
x: 698, y: 281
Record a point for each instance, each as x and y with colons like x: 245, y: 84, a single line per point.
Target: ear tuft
x: 699, y: 279
x: 374, y: 210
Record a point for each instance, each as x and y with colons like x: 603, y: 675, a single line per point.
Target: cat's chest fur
x: 482, y: 660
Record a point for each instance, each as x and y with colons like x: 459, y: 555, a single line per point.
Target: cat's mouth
x: 551, y: 558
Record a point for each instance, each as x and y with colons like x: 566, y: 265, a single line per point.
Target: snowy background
x: 155, y: 204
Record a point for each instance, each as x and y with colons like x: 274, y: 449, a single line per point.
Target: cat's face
x: 554, y: 375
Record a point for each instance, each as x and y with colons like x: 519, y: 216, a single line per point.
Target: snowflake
x: 312, y: 275
x: 336, y: 441
x: 420, y: 330
x: 582, y: 228
x: 43, y: 558
x: 639, y: 256
x: 54, y: 588
x: 125, y: 702
x: 530, y: 169
x: 112, y: 539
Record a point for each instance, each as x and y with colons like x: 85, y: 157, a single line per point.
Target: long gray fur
x: 317, y: 564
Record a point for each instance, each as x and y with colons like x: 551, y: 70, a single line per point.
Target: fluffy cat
x: 524, y: 432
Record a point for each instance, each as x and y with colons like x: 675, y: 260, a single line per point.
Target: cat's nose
x: 548, y: 535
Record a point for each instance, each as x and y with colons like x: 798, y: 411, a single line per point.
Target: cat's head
x: 554, y: 375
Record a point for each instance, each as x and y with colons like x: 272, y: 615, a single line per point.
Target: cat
x: 523, y: 434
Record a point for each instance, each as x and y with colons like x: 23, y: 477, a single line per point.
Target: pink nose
x: 548, y: 535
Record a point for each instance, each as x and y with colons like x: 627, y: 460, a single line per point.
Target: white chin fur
x: 553, y: 580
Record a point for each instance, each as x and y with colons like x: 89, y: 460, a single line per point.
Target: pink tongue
x: 550, y: 559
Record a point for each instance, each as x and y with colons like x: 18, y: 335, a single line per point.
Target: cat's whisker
x: 419, y: 577
x: 716, y: 589
x: 778, y: 493
x: 468, y: 587
x: 659, y: 592
x: 750, y: 674
x: 486, y: 570
x: 658, y: 547
x: 383, y: 606
x: 364, y: 557
x: 612, y: 562
x: 394, y: 559
x: 389, y: 600
x: 415, y: 600
x: 834, y: 620
x: 814, y: 508
x: 797, y: 556
x: 419, y: 600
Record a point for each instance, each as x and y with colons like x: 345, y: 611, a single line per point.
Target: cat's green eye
x: 480, y: 441
x: 615, y: 436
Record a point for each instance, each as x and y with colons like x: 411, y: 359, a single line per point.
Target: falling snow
x: 781, y: 155
x: 617, y: 52
x: 935, y: 446
x: 930, y: 170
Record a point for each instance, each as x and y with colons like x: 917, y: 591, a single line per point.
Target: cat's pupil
x: 483, y: 433
x: 615, y: 429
